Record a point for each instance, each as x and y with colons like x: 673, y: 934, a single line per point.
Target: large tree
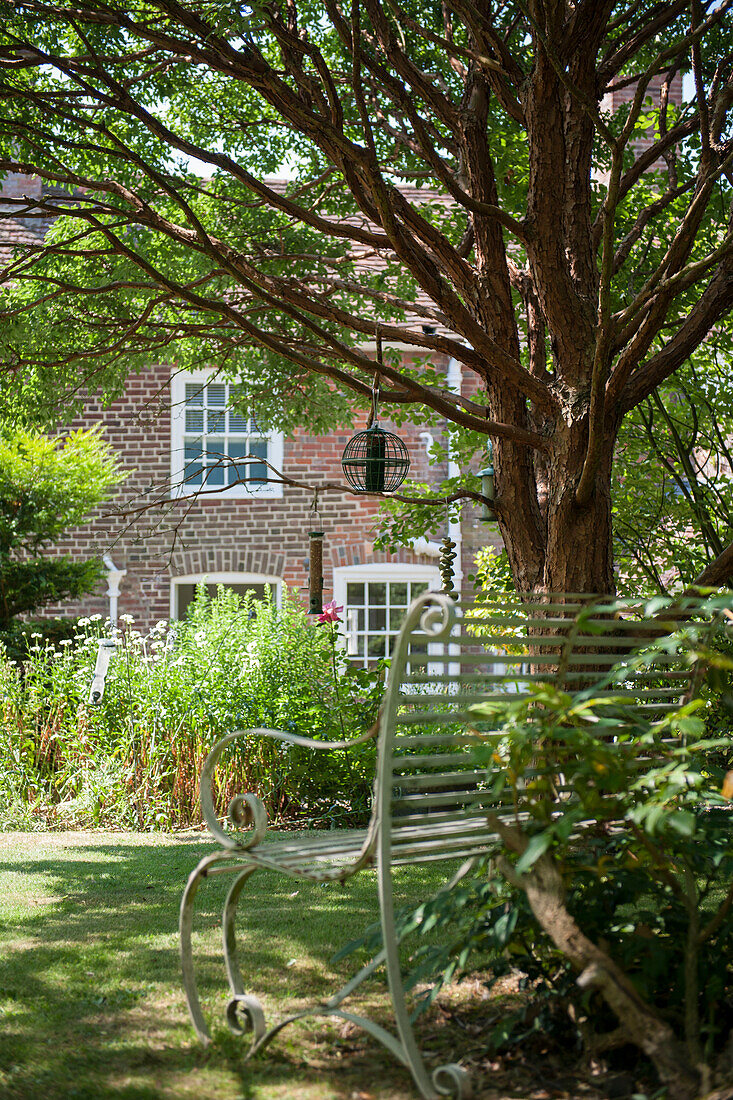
x: 576, y: 258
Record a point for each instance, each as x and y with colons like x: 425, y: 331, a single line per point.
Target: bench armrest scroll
x: 246, y: 810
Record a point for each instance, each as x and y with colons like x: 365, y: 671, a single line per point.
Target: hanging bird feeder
x: 375, y: 461
x: 488, y: 487
x: 315, y: 606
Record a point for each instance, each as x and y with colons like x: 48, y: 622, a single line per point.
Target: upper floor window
x: 216, y: 445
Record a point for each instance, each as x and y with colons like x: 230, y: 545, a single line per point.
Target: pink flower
x: 330, y: 613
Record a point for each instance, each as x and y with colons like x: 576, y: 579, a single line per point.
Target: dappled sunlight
x: 92, y: 1003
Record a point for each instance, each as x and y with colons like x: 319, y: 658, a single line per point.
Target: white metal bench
x: 430, y: 800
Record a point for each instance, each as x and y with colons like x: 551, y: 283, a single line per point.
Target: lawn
x: 90, y: 996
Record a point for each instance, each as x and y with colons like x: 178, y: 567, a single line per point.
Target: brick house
x: 182, y: 516
x: 245, y: 535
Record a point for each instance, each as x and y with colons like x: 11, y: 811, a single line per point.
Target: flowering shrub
x: 134, y: 760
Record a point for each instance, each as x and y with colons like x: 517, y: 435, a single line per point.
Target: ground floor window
x: 183, y: 589
x: 375, y: 599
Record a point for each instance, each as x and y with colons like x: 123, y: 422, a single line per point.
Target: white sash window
x: 217, y: 448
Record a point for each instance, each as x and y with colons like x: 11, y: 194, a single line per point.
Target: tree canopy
x: 458, y: 182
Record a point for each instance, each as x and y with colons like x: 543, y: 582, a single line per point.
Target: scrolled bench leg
x: 185, y: 926
x: 447, y: 1080
x: 245, y: 1014
x: 453, y: 1080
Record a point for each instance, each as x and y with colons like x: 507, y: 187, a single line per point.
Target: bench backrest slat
x: 447, y: 659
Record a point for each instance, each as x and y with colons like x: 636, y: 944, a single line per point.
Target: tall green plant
x: 135, y: 760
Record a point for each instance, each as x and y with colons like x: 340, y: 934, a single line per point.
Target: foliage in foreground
x: 673, y: 478
x: 610, y: 891
x: 134, y: 761
x: 46, y: 486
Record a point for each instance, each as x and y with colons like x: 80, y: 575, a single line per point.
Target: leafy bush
x: 134, y: 761
x: 21, y: 635
x: 47, y: 486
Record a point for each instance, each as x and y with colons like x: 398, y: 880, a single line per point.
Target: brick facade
x: 189, y: 537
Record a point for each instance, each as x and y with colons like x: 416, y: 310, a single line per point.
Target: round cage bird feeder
x: 375, y: 461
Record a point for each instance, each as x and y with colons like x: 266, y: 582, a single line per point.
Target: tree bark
x: 560, y: 547
x: 719, y: 571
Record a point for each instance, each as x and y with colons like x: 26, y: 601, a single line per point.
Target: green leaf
x: 537, y: 847
x: 683, y: 822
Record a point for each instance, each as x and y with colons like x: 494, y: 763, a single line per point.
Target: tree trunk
x: 574, y: 548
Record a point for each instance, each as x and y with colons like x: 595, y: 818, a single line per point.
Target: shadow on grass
x: 90, y: 991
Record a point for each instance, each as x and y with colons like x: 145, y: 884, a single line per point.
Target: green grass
x: 91, y: 1003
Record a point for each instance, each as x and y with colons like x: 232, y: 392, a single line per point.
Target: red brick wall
x: 615, y: 99
x: 16, y: 185
x: 218, y: 534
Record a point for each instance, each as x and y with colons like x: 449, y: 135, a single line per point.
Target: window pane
x: 192, y: 473
x: 185, y: 593
x: 215, y: 450
x: 192, y: 462
x: 378, y: 594
x: 237, y: 422
x: 376, y: 611
x: 215, y: 462
x: 377, y: 619
x: 398, y: 593
x: 215, y: 421
x: 238, y: 471
x: 194, y: 394
x: 184, y: 596
x: 258, y: 471
x: 214, y: 475
x: 354, y: 594
x: 194, y: 420
x: 216, y: 394
x: 396, y: 615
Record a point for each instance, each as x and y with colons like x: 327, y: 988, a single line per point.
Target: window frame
x: 378, y: 572
x: 225, y: 579
x: 240, y: 491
